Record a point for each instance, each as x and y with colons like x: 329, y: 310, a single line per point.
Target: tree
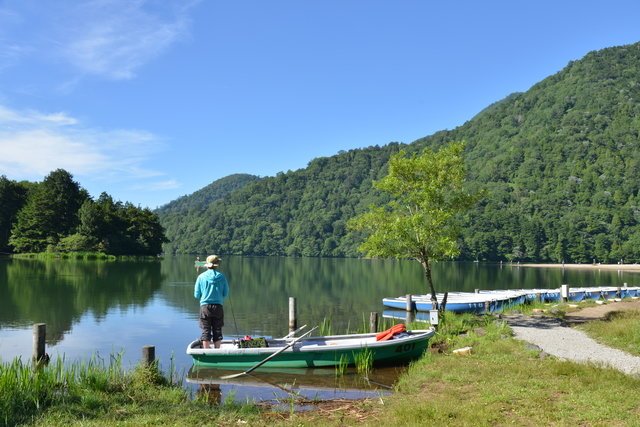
x: 419, y: 221
x: 12, y: 198
x: 50, y: 213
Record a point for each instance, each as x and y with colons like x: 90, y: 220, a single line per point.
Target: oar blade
x: 228, y: 377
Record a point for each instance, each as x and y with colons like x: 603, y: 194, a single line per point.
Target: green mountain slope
x: 174, y: 213
x: 301, y: 213
x: 559, y: 162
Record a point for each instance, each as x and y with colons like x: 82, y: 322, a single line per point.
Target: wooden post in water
x: 293, y: 321
x: 148, y: 355
x: 373, y: 322
x: 39, y: 339
x: 410, y: 307
x: 409, y: 300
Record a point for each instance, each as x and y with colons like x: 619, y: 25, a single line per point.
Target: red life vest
x: 395, y: 329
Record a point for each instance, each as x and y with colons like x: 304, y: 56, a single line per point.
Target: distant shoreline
x: 619, y: 267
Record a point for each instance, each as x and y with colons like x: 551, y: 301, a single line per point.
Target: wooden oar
x: 293, y: 332
x: 271, y: 356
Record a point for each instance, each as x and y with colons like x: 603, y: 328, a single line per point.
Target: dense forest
x: 559, y: 165
x: 58, y: 215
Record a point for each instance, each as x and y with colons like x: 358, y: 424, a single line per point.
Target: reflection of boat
x: 418, y: 316
x: 321, y: 351
x: 273, y: 384
x: 289, y: 378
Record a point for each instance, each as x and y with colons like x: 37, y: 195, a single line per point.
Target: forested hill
x: 560, y: 164
x: 193, y: 206
x: 301, y: 212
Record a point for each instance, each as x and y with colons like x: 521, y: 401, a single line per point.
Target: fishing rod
x: 235, y: 324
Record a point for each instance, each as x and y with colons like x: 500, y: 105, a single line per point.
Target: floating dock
x: 491, y: 301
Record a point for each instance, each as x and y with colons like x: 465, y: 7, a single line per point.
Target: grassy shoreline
x: 502, y: 381
x: 84, y: 256
x: 619, y: 330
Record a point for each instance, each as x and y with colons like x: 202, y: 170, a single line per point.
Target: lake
x: 100, y: 308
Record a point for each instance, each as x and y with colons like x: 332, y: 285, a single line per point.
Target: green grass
x: 342, y: 365
x: 96, y: 394
x: 325, y: 327
x: 364, y: 361
x: 619, y: 329
x: 502, y: 382
x: 85, y: 256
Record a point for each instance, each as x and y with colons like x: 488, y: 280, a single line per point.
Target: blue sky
x: 152, y: 100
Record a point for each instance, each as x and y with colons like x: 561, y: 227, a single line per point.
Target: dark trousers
x: 211, y: 322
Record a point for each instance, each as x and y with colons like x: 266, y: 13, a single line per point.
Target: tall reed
x: 364, y: 361
x: 326, y: 327
x: 342, y: 365
x: 27, y: 390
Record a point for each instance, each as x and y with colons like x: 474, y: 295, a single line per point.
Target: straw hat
x: 213, y: 261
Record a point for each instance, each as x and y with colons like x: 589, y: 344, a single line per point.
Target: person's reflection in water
x: 210, y: 393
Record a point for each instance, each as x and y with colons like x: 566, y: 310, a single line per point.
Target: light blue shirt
x: 211, y: 287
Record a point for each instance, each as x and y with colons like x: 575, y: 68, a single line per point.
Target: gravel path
x: 555, y: 338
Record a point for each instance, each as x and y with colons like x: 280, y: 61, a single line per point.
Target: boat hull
x: 476, y: 304
x: 317, y: 352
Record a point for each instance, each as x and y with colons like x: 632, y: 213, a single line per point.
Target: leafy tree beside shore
x: 420, y: 221
x: 58, y: 215
x: 13, y: 196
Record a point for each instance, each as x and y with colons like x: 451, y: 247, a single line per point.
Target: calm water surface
x: 98, y: 308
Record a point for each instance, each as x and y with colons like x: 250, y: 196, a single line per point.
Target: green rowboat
x: 314, y: 352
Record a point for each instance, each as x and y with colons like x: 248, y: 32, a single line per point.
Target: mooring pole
x: 373, y: 322
x: 293, y: 321
x: 409, y: 306
x: 564, y: 293
x: 39, y: 339
x: 148, y: 355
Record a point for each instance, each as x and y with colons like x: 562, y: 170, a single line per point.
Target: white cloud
x: 38, y: 152
x: 113, y: 38
x: 32, y: 144
x: 106, y: 38
x: 9, y: 117
x: 170, y: 184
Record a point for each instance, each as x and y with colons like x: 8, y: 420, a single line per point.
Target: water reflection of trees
x: 59, y: 292
x: 346, y: 290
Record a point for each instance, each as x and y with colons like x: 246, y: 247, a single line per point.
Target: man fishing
x: 211, y: 289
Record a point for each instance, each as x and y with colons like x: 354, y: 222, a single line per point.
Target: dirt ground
x: 600, y: 311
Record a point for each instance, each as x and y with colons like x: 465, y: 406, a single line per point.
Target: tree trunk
x: 443, y: 305
x: 427, y: 273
